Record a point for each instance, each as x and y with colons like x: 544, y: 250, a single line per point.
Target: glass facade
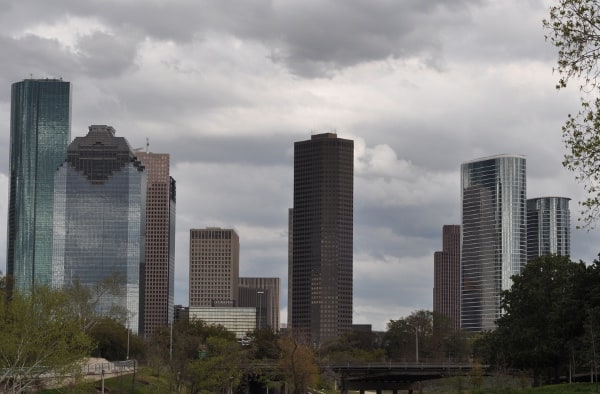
x: 40, y: 128
x: 548, y: 227
x: 494, y: 238
x: 99, y: 220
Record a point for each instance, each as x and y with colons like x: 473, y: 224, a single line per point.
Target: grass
x: 145, y: 382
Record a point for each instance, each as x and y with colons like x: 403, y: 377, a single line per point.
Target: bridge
x: 392, y: 376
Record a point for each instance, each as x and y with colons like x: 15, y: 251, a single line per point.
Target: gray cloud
x: 107, y: 55
x: 313, y: 39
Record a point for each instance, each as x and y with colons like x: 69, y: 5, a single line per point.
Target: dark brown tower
x: 321, y: 274
x: 446, y: 271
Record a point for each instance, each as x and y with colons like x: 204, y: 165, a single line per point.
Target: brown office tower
x: 446, y: 272
x: 321, y: 302
x: 214, y: 267
x: 262, y: 294
x: 159, y: 268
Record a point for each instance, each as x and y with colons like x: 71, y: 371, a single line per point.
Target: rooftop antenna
x: 147, y: 144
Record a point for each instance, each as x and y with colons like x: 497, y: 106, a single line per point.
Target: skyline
x: 226, y: 92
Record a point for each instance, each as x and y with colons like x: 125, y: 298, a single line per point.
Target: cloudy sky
x: 227, y: 86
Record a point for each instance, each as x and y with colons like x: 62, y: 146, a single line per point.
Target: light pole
x: 127, y: 358
x: 416, y: 342
x: 260, y: 293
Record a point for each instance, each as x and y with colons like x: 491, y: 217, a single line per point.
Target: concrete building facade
x: 262, y: 294
x: 446, y: 275
x: 159, y: 262
x: 214, y: 267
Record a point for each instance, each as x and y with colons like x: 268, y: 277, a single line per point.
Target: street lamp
x: 260, y: 293
x: 416, y: 341
x: 417, y: 344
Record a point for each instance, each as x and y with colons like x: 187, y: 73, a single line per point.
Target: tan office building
x: 159, y: 266
x: 214, y: 267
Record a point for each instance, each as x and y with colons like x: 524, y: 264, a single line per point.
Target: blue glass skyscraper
x: 494, y: 235
x: 100, y: 220
x: 40, y: 128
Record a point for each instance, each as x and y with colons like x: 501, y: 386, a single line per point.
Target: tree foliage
x: 551, y: 319
x: 90, y: 301
x: 176, y: 351
x: 353, y: 346
x: 432, y: 333
x: 298, y: 365
x: 574, y: 29
x: 219, y: 370
x: 113, y: 341
x: 40, y: 334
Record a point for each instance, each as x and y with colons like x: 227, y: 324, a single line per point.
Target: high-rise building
x: 548, y: 226
x: 290, y: 265
x: 446, y: 273
x: 321, y: 299
x: 40, y: 131
x: 159, y: 263
x: 262, y: 294
x: 494, y: 235
x: 100, y: 221
x: 214, y: 267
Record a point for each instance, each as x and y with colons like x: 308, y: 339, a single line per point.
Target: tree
x: 114, y: 342
x: 189, y: 342
x: 353, y: 346
x: 263, y: 345
x: 544, y: 312
x: 90, y: 301
x: 40, y: 335
x: 218, y: 370
x: 574, y: 29
x: 424, y: 335
x: 298, y: 364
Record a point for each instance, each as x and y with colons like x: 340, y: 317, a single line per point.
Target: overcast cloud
x: 226, y: 87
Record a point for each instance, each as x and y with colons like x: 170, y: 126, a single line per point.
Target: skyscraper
x: 290, y: 265
x: 100, y: 220
x: 263, y: 294
x: 321, y: 298
x: 494, y: 243
x: 446, y: 273
x: 40, y: 130
x: 214, y: 267
x: 159, y: 263
x: 548, y: 226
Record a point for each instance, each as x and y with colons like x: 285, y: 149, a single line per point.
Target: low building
x: 239, y: 321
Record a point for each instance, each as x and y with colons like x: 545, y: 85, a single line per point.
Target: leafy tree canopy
x: 40, y: 333
x: 545, y: 311
x: 573, y: 28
